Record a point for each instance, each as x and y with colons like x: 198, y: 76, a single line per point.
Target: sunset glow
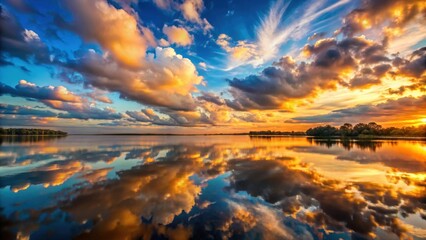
x: 194, y: 66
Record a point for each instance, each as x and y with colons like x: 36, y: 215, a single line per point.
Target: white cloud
x: 272, y: 33
x: 30, y: 35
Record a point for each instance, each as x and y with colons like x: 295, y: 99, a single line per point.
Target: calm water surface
x: 214, y: 187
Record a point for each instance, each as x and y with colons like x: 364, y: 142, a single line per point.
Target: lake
x: 211, y: 187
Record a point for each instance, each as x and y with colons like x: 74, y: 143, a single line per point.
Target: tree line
x: 363, y: 129
x: 30, y: 131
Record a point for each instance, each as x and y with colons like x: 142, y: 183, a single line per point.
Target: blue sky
x: 209, y: 66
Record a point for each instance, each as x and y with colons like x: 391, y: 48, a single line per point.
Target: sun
x: 423, y: 120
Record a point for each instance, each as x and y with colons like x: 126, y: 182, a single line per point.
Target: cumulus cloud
x: 178, y: 35
x: 100, y: 96
x: 83, y: 111
x: 399, y: 109
x: 372, y: 13
x: 191, y: 11
x: 399, y: 22
x: 211, y: 97
x: 58, y: 98
x: 114, y: 29
x: 414, y: 66
x: 149, y: 116
x: 30, y: 90
x: 211, y: 111
x: 352, y: 62
x: 167, y: 81
x: 171, y: 117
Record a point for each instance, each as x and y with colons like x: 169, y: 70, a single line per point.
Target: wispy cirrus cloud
x: 273, y: 32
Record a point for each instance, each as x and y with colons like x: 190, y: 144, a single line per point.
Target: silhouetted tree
x: 372, y: 129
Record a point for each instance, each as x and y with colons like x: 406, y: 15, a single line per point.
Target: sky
x: 204, y: 66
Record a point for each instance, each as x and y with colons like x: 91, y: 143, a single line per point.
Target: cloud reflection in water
x: 212, y: 187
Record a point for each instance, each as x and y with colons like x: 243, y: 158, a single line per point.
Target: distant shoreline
x: 232, y: 134
x: 361, y: 131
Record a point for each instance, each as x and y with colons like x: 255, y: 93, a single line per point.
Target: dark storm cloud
x: 402, y: 108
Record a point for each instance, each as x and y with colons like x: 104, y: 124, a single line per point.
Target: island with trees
x: 363, y: 130
x: 30, y: 132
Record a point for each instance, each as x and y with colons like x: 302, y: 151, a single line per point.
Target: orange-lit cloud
x: 52, y: 174
x: 168, y: 80
x: 30, y: 90
x: 239, y: 52
x: 124, y: 39
x: 373, y: 13
x: 178, y: 35
x: 398, y: 110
